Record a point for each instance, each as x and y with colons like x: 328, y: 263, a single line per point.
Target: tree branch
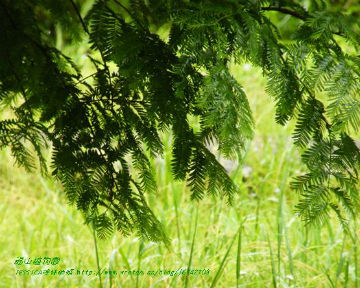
x: 79, y: 16
x: 292, y: 13
x: 133, y: 16
x: 285, y: 11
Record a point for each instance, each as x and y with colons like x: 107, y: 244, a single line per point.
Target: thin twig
x: 87, y: 77
x: 79, y: 16
x: 294, y: 14
x: 88, y: 32
x: 130, y: 14
x: 284, y: 11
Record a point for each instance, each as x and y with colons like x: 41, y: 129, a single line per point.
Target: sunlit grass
x: 272, y: 248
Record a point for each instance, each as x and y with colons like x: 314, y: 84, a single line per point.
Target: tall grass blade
x: 356, y: 267
x: 97, y: 254
x: 222, y: 265
x: 238, y: 257
x: 273, y: 270
x: 355, y: 241
x: 290, y: 257
x: 175, y: 199
x: 329, y: 278
x: 192, y: 248
x: 280, y: 227
x: 280, y: 216
x: 111, y: 265
x: 140, y: 253
x: 346, y: 276
x: 341, y: 261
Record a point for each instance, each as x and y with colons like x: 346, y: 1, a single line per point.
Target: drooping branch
x: 294, y: 14
x: 284, y: 11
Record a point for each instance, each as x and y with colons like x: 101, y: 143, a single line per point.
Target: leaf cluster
x: 105, y: 127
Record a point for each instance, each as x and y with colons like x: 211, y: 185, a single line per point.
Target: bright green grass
x: 258, y: 242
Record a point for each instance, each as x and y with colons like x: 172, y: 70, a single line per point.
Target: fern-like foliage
x: 104, y: 127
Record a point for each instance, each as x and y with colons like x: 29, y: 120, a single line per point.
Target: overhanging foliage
x: 101, y: 126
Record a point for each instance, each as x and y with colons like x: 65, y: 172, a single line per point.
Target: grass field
x: 257, y: 242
